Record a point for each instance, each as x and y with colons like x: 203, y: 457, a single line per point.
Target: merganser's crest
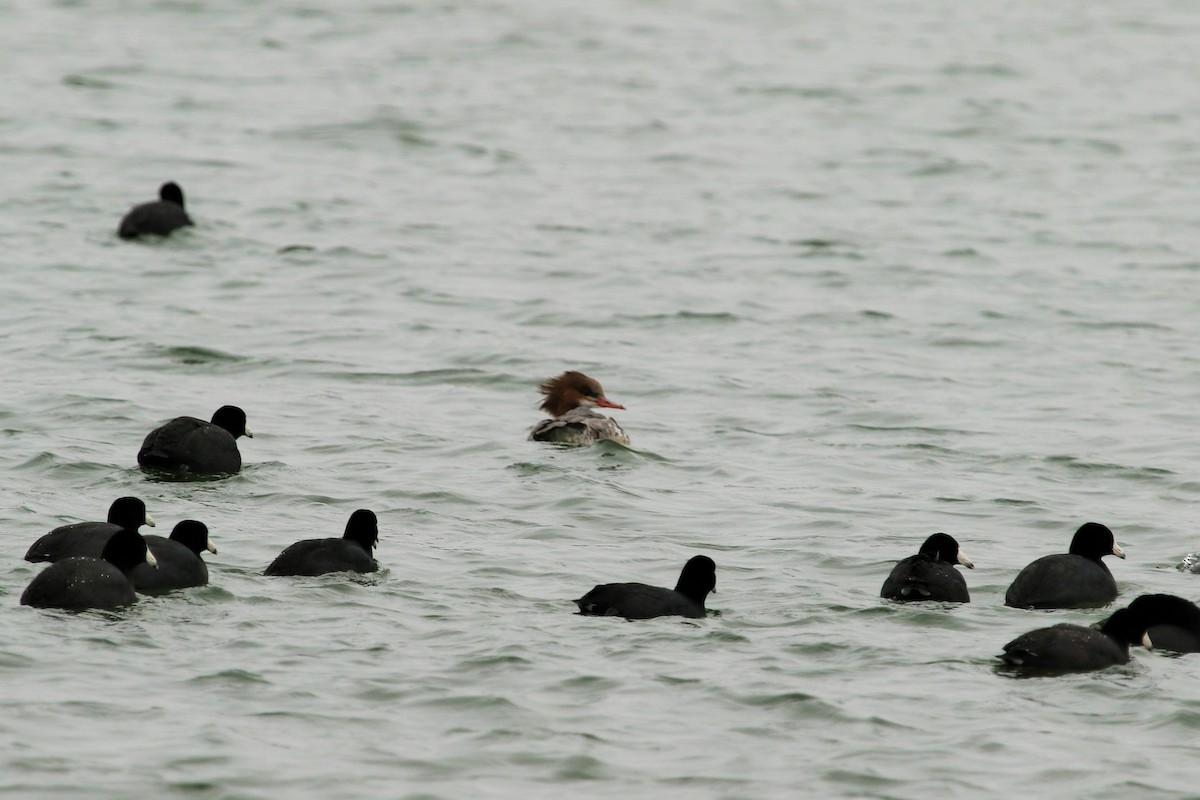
x: 569, y: 400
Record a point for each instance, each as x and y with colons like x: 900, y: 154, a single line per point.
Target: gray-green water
x: 860, y: 272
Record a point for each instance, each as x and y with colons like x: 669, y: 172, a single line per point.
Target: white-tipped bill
x: 1117, y: 551
x: 966, y: 562
x: 247, y: 433
x: 150, y: 559
x: 212, y: 548
x: 149, y: 519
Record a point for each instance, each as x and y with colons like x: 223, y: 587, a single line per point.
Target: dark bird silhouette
x: 1168, y: 622
x: 639, y: 601
x: 179, y: 563
x: 158, y: 217
x: 88, y: 538
x: 80, y: 583
x: 1076, y: 579
x: 351, y: 553
x: 187, y: 447
x: 930, y: 574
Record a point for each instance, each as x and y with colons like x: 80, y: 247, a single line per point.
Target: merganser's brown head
x: 571, y: 390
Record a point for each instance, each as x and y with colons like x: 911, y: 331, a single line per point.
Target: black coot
x: 179, y: 561
x: 159, y: 217
x: 639, y: 601
x: 1074, y: 648
x: 1169, y: 622
x: 351, y: 553
x: 930, y: 574
x: 87, y: 539
x: 1076, y: 579
x: 76, y: 584
x: 187, y: 447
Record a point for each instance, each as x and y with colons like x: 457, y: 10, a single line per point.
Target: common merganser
x: 569, y: 401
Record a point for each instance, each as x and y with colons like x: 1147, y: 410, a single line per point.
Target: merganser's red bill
x: 604, y: 402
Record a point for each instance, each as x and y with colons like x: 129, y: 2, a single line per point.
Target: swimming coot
x: 1077, y: 579
x: 1074, y: 648
x: 639, y: 601
x: 159, y: 217
x: 930, y: 574
x: 187, y: 447
x: 88, y: 538
x: 179, y: 561
x: 81, y: 583
x: 351, y: 553
x: 1167, y: 622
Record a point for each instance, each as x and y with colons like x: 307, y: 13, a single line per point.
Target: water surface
x: 859, y: 273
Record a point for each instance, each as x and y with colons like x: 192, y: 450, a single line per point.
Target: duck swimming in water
x: 158, y: 217
x: 639, y: 601
x: 1075, y: 579
x: 569, y: 400
x: 930, y: 574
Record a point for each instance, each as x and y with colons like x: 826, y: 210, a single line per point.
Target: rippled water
x: 859, y: 272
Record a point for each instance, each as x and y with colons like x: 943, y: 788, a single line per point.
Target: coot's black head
x: 1124, y: 626
x: 1095, y: 541
x: 1165, y: 609
x: 129, y: 512
x: 126, y: 549
x: 171, y: 193
x: 944, y: 547
x: 193, y: 535
x: 232, y: 419
x: 363, y: 529
x: 698, y: 578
